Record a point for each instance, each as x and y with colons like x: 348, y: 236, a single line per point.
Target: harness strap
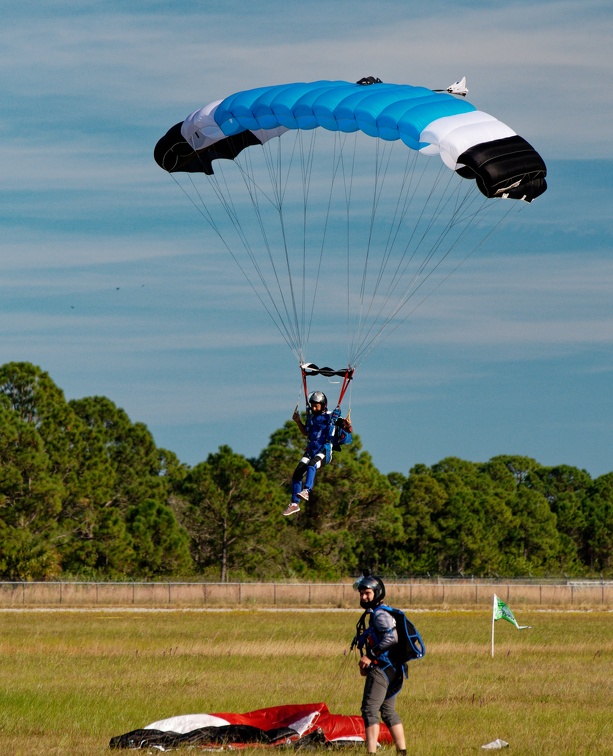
x: 360, y: 631
x: 346, y: 379
x: 304, y: 384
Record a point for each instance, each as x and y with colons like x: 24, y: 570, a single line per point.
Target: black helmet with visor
x: 375, y: 584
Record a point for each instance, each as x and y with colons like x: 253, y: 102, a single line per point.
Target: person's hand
x: 296, y: 415
x: 364, y: 665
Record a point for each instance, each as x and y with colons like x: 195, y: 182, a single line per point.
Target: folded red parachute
x: 297, y: 724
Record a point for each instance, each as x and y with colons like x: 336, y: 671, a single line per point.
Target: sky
x: 105, y: 284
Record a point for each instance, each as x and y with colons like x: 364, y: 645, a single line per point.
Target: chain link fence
x: 435, y: 593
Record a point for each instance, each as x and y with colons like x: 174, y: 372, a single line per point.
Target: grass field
x: 71, y: 680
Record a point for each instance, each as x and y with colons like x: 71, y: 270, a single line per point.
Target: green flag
x: 502, y: 611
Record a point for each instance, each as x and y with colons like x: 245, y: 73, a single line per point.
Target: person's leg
x: 372, y: 738
x: 314, y: 465
x: 296, y: 488
x: 389, y: 714
x: 375, y: 690
x: 397, y: 732
x: 294, y: 505
x: 297, y: 478
x: 310, y: 477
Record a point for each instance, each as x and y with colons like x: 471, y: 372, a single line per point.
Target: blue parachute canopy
x: 471, y: 142
x: 345, y: 203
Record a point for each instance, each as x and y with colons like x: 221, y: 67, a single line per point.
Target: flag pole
x: 493, y: 621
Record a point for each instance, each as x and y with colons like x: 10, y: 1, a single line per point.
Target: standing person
x: 324, y: 431
x: 384, y: 674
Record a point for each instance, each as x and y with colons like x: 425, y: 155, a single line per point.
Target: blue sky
x: 106, y: 287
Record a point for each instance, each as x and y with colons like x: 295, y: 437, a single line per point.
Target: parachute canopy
x: 324, y: 195
x: 469, y: 141
x: 301, y: 725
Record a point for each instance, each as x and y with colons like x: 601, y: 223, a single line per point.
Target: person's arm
x: 298, y: 420
x: 385, y: 627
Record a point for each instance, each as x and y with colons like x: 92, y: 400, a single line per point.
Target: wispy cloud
x: 551, y: 61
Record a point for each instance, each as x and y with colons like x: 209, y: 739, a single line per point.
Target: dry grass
x: 72, y: 680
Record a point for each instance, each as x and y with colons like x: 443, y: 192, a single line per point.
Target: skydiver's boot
x: 304, y: 494
x: 291, y: 509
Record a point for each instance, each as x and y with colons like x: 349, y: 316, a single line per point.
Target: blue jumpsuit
x: 320, y: 434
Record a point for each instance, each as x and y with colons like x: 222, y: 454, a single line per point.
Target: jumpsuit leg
x: 297, y: 478
x: 314, y: 465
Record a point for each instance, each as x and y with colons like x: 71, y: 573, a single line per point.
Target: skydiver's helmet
x: 318, y: 397
x: 376, y: 586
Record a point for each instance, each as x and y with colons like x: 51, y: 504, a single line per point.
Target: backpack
x: 410, y: 644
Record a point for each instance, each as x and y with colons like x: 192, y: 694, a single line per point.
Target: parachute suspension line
x: 400, y: 271
x: 403, y: 203
x: 400, y: 211
x: 435, y: 221
x: 380, y: 172
x: 336, y: 166
x: 369, y: 238
x: 305, y: 168
x: 225, y: 199
x: 423, y: 272
x: 449, y: 274
x: 204, y: 211
x: 350, y: 329
x: 254, y: 191
x: 275, y: 170
x: 452, y: 221
x: 486, y: 207
x: 347, y: 170
x: 345, y: 671
x: 281, y: 194
x: 201, y: 208
x: 307, y: 160
x: 406, y: 198
x: 437, y: 212
x: 382, y: 164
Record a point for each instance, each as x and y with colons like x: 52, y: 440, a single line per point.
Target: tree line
x: 85, y: 493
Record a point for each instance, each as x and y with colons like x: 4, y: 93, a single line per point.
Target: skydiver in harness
x: 324, y: 430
